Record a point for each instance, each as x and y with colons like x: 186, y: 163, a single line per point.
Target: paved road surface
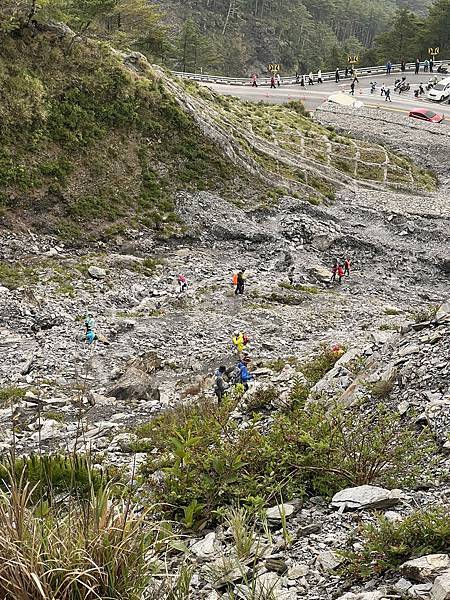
x: 313, y: 96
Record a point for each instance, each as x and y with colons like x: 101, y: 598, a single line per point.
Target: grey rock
x: 441, y: 587
x: 365, y: 497
x: 206, y: 547
x: 134, y: 385
x: 426, y: 568
x: 96, y: 272
x: 328, y: 561
x: 275, y: 513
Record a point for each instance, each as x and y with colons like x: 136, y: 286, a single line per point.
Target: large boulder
x: 134, y: 385
x: 441, y: 587
x: 426, y: 568
x: 365, y: 497
x: 137, y: 381
x: 320, y: 273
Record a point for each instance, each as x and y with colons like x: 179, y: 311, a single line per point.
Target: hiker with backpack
x: 91, y: 335
x: 243, y: 374
x: 182, y: 283
x: 220, y: 386
x: 240, y: 341
x: 239, y: 282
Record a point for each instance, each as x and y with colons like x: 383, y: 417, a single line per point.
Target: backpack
x: 234, y: 280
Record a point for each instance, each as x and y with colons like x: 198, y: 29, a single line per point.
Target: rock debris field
x: 164, y: 346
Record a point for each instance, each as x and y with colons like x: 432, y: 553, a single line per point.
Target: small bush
x: 325, y: 360
x: 262, y: 400
x: 386, y: 545
x: 11, y: 394
x: 381, y: 389
x: 425, y: 314
x: 298, y: 107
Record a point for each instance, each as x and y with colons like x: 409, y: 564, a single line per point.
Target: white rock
x: 96, y: 272
x: 205, y: 548
x: 363, y: 596
x: 365, y: 497
x: 328, y: 560
x: 297, y: 571
x: 275, y: 512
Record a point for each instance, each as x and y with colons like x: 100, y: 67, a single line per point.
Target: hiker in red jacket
x: 334, y: 270
x: 347, y: 266
x: 340, y: 273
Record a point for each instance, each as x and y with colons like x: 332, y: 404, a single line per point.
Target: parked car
x: 424, y: 114
x: 440, y: 91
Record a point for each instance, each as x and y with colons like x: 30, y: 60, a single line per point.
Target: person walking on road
x: 389, y: 68
x: 403, y: 66
x: 431, y: 65
x: 319, y: 76
x: 352, y: 88
x: 278, y: 79
x: 302, y: 81
x: 387, y: 95
x: 426, y: 65
x: 337, y: 75
x: 311, y: 78
x: 254, y: 80
x: 417, y: 69
x: 272, y: 83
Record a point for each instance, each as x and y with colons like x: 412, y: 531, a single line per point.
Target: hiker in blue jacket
x: 244, y: 374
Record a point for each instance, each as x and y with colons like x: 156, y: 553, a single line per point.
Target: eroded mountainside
x: 118, y: 178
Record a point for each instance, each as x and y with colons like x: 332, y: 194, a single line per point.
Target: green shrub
x: 325, y: 360
x: 387, y: 544
x: 208, y: 462
x: 298, y: 107
x: 336, y: 448
x: 425, y: 314
x: 262, y: 400
x: 381, y: 389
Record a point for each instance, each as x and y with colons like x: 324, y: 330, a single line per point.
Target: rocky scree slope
x: 59, y: 394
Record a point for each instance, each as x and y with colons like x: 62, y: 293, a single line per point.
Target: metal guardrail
x: 291, y: 80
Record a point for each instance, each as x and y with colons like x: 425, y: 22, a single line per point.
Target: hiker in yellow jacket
x: 240, y: 341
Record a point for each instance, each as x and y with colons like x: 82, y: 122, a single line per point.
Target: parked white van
x: 440, y: 91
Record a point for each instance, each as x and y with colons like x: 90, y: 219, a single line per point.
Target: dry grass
x: 77, y: 550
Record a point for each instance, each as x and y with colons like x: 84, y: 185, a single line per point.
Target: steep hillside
x: 89, y: 146
x: 236, y: 36
x: 95, y: 142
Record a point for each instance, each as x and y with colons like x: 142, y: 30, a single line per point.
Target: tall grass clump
x: 88, y: 549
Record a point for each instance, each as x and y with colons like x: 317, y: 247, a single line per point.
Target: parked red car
x: 424, y: 114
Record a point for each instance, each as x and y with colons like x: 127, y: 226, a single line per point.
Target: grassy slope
x: 90, y: 147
